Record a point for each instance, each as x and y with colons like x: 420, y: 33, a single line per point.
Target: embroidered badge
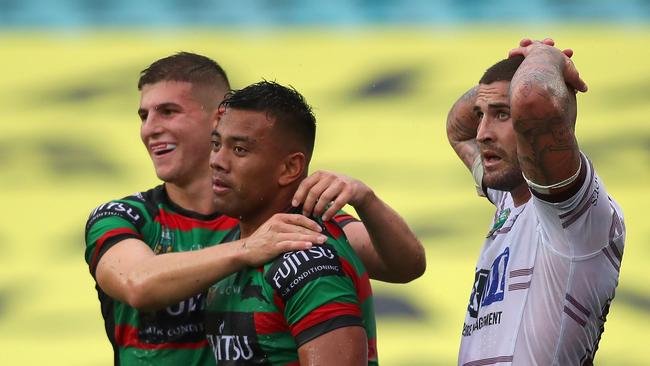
x: 166, y: 242
x: 498, y: 224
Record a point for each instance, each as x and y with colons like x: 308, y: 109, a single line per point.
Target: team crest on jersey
x: 489, y: 285
x: 166, y: 242
x: 499, y: 222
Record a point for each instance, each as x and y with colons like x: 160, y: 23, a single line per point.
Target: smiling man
x: 153, y: 254
x: 549, y: 265
x: 312, y: 307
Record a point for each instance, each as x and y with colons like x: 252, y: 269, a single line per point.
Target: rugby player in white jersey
x: 550, y: 262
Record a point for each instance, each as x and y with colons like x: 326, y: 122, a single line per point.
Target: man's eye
x: 479, y: 114
x: 216, y: 145
x: 503, y: 116
x: 143, y: 117
x: 239, y: 150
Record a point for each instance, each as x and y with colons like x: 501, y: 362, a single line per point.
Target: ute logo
x: 489, y: 285
x: 293, y: 270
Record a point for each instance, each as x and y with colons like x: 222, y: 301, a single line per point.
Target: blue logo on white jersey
x: 489, y: 286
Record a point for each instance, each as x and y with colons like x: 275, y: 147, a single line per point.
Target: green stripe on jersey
x: 174, y: 335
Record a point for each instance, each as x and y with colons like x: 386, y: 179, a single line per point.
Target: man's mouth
x: 490, y: 158
x: 219, y: 186
x: 162, y: 149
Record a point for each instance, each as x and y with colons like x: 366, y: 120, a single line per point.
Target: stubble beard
x: 506, y: 179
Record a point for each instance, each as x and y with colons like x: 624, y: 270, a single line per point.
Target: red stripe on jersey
x: 127, y: 336
x: 333, y: 229
x: 361, y: 284
x: 372, y: 349
x: 175, y: 221
x: 323, y: 313
x: 270, y: 322
x: 343, y: 217
x: 277, y: 300
x: 107, y: 235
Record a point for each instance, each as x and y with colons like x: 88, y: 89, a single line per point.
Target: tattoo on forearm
x: 543, y: 79
x: 462, y: 125
x: 461, y: 121
x: 549, y: 143
x: 544, y: 112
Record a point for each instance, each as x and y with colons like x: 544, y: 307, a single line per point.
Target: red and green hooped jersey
x: 174, y: 335
x: 260, y: 316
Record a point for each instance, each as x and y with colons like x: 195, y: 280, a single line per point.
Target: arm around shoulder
x: 387, y: 246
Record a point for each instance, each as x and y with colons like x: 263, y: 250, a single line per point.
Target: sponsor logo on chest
x: 233, y: 340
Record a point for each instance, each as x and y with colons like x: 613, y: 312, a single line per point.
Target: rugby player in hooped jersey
x: 310, y: 307
x: 152, y: 254
x: 549, y: 266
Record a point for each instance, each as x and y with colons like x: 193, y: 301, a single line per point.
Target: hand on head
x: 571, y: 74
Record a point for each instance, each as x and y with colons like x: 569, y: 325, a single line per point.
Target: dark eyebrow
x: 166, y: 105
x: 159, y: 107
x: 242, y: 139
x: 499, y: 105
x: 235, y: 138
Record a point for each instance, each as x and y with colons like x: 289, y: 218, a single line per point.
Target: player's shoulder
x: 136, y: 208
x: 291, y: 271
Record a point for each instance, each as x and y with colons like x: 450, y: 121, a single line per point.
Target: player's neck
x: 281, y: 203
x: 194, y: 196
x: 520, y: 195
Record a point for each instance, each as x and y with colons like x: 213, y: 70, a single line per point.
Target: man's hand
x: 281, y: 233
x: 569, y: 71
x: 323, y: 193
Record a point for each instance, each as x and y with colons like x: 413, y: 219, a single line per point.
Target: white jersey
x: 544, y: 280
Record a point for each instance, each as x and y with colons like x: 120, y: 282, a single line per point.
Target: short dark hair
x: 285, y: 104
x: 503, y: 70
x: 185, y: 66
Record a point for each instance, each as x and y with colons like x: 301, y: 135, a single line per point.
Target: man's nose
x: 484, y: 131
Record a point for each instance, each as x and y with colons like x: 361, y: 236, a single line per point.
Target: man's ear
x: 293, y: 168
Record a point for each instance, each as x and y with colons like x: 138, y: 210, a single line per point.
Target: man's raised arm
x: 462, y: 124
x: 543, y: 108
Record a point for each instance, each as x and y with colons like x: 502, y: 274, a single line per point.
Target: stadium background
x: 381, y: 76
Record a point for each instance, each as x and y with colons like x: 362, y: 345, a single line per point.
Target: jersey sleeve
x: 587, y: 222
x: 315, y: 291
x: 343, y: 218
x: 109, y: 224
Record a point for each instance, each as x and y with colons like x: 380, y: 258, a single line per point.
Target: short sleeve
x: 315, y: 291
x: 585, y: 223
x: 343, y: 218
x: 107, y: 225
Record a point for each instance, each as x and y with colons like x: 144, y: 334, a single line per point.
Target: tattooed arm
x: 543, y: 109
x: 462, y: 124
